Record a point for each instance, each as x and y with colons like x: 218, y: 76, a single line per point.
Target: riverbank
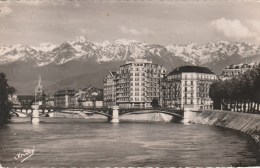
x: 244, y: 122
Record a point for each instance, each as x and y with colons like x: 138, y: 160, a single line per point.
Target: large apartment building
x: 135, y: 84
x: 188, y: 87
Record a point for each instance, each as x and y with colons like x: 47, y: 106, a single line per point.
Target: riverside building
x: 65, y: 98
x: 135, y: 84
x: 110, y: 90
x: 188, y: 87
x: 236, y: 69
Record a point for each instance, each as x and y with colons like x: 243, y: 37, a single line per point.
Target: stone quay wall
x: 244, y: 122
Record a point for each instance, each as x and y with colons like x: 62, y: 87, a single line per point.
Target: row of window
x: 185, y: 82
x: 192, y: 76
x: 124, y: 70
x: 190, y: 101
x: 144, y: 94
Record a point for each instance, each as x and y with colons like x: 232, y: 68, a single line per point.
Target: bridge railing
x: 170, y: 110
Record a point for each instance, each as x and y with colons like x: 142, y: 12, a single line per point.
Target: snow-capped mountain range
x: 82, y: 49
x: 80, y: 62
x: 213, y: 52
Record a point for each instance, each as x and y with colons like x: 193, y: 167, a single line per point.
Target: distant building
x: 99, y: 103
x: 91, y: 104
x: 135, y: 84
x: 188, y: 87
x: 90, y: 97
x: 26, y: 101
x: 13, y: 98
x: 110, y: 89
x: 235, y: 70
x: 49, y: 101
x: 65, y: 98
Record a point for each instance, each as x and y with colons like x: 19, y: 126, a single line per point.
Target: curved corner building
x: 188, y: 87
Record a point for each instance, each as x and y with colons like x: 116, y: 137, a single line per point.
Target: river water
x: 80, y: 143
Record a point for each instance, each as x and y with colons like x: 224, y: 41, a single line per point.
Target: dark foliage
x: 155, y: 103
x: 240, y: 93
x: 5, y: 104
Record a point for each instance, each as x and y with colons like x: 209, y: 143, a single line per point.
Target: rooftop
x: 23, y: 97
x: 70, y: 92
x: 140, y: 61
x: 241, y: 66
x: 190, y: 68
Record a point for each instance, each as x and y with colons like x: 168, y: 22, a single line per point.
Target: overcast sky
x: 159, y: 22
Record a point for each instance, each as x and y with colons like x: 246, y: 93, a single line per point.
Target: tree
x: 155, y: 103
x: 216, y: 93
x: 241, y: 93
x: 5, y: 104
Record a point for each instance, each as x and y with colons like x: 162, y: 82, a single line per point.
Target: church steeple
x: 39, y: 89
x: 40, y: 82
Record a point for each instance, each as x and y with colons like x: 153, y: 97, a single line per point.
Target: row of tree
x: 5, y: 104
x: 241, y: 93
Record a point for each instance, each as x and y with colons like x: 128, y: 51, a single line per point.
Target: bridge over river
x: 113, y: 114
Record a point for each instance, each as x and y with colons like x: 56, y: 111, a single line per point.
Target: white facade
x: 110, y: 90
x: 189, y: 89
x: 137, y: 84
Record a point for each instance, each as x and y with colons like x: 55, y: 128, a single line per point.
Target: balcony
x: 188, y: 85
x: 188, y: 91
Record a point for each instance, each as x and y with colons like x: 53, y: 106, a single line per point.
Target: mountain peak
x: 19, y: 46
x: 44, y: 46
x: 81, y: 39
x: 125, y: 42
x: 78, y: 39
x: 223, y: 42
x: 105, y: 43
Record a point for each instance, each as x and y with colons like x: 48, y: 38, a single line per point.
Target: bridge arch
x: 13, y: 112
x: 20, y: 114
x: 99, y: 112
x: 139, y: 111
x: 85, y: 111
